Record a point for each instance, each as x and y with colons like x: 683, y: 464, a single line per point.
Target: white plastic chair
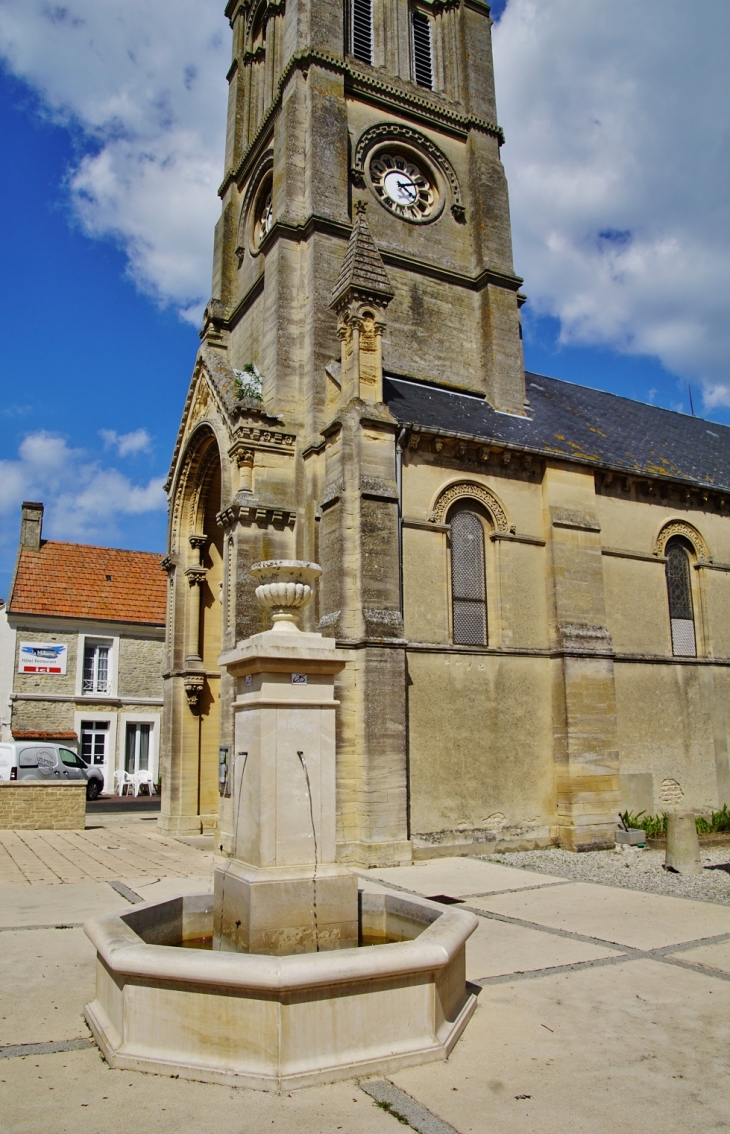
x: 123, y: 781
x: 143, y: 779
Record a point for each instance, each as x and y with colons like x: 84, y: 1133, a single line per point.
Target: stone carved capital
x: 196, y: 576
x: 194, y: 684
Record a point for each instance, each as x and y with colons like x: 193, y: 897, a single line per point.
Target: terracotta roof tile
x: 74, y: 580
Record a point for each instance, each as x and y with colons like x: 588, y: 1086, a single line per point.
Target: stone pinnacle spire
x: 363, y: 272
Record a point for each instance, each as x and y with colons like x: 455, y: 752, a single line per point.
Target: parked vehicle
x: 33, y: 760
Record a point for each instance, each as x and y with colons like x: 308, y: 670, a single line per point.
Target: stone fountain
x: 286, y: 994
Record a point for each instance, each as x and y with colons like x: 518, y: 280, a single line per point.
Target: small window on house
x: 96, y: 668
x: 679, y: 593
x: 468, y: 586
x: 361, y: 29
x: 422, y: 53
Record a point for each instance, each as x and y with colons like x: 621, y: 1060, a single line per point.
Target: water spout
x: 239, y: 796
x: 303, y: 762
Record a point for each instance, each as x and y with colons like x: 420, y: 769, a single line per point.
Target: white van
x: 38, y: 760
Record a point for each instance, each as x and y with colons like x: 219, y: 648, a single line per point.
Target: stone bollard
x: 683, y: 845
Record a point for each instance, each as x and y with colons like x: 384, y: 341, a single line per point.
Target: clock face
x: 401, y: 187
x: 265, y: 218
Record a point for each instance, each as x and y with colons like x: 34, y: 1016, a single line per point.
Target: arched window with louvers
x: 679, y: 554
x: 468, y: 574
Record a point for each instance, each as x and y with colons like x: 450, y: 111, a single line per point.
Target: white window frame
x: 111, y: 720
x: 97, y: 640
x: 152, y: 719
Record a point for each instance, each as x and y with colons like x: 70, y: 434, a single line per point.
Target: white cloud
x: 616, y: 117
x: 127, y: 444
x: 143, y: 84
x: 83, y: 498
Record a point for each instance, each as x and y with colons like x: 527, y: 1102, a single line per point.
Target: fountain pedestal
x: 279, y: 1021
x: 282, y: 892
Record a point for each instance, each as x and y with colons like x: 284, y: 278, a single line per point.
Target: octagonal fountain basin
x: 279, y: 1022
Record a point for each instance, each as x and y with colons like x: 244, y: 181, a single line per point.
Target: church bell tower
x: 364, y: 233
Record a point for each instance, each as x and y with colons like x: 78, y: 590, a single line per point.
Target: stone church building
x: 531, y: 578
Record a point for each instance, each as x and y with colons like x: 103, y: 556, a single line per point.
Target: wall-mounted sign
x: 42, y: 657
x: 299, y: 679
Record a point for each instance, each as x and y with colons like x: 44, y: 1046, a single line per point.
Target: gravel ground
x: 630, y: 867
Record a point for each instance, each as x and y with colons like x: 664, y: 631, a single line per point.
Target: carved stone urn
x: 285, y: 587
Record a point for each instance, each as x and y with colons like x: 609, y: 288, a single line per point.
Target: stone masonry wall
x: 32, y: 806
x: 47, y: 716
x: 141, y: 663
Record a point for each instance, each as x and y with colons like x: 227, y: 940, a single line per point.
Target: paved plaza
x: 599, y: 1007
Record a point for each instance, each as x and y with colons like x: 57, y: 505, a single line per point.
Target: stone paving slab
x: 627, y: 917
x: 75, y: 1093
x: 97, y: 854
x: 496, y: 948
x: 638, y: 1045
x: 714, y: 956
x: 459, y: 877
x: 57, y: 904
x: 48, y: 976
x: 166, y: 888
x: 602, y: 1041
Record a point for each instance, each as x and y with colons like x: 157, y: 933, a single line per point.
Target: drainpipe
x: 399, y: 444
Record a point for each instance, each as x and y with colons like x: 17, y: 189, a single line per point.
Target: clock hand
x: 408, y: 189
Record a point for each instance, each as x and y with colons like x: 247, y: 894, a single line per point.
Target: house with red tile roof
x: 89, y: 626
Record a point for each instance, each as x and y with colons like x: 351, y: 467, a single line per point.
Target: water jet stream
x: 303, y: 762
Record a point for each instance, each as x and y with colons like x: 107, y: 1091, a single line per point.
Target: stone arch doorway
x: 192, y: 710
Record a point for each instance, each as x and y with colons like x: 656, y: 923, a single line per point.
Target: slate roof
x: 578, y: 423
x: 362, y: 268
x: 69, y: 580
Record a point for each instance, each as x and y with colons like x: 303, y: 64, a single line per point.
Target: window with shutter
x: 422, y: 52
x: 468, y: 586
x: 361, y: 30
x: 679, y: 593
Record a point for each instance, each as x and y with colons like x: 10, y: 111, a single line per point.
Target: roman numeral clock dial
x: 401, y: 187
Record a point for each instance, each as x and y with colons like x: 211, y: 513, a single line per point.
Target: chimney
x: 31, y: 526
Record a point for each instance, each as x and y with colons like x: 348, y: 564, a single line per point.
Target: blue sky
x: 83, y: 350
x: 618, y: 155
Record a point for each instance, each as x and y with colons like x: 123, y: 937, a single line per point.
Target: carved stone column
x: 195, y: 575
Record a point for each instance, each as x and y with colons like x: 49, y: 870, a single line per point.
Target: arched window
x: 679, y: 593
x: 468, y: 584
x: 361, y: 29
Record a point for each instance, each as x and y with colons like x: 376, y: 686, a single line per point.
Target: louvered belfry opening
x: 679, y: 593
x: 422, y: 57
x: 361, y: 30
x: 468, y: 586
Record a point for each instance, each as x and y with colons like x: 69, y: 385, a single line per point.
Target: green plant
x: 721, y: 819
x: 655, y: 826
x: 248, y: 382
